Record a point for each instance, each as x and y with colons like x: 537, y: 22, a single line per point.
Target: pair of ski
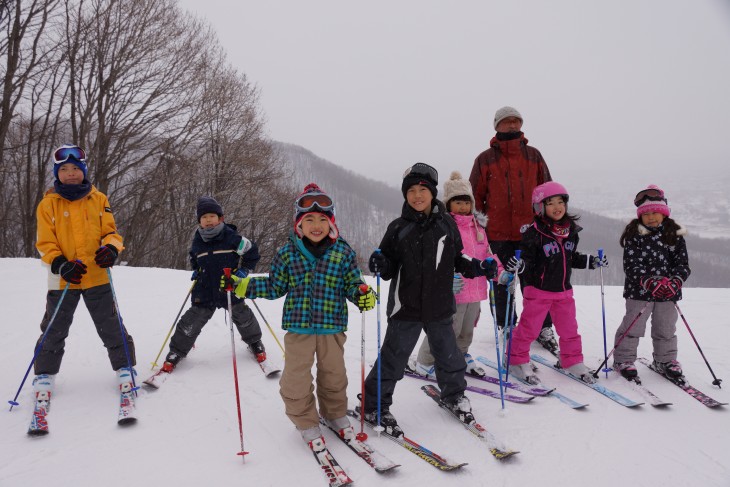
x: 553, y: 393
x: 531, y: 391
x: 615, y: 396
x: 496, y: 448
x: 156, y: 380
x: 681, y: 382
x: 336, y: 475
x: 126, y: 415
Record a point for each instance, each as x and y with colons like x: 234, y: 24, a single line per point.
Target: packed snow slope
x: 187, y: 433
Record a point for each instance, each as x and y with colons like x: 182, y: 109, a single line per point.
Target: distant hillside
x: 364, y: 207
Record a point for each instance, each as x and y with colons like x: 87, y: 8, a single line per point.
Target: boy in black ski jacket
x: 419, y: 253
x: 216, y: 245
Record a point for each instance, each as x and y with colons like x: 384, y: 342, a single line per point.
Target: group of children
x: 317, y: 271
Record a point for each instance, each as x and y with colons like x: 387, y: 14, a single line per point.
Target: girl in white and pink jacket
x: 460, y: 204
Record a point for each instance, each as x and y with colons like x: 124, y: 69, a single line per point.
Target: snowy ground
x: 187, y: 433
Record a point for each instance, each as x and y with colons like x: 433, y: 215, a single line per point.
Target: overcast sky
x: 605, y: 87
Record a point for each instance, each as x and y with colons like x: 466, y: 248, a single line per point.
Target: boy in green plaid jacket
x: 317, y: 271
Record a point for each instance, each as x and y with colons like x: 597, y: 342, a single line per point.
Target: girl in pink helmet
x: 549, y: 253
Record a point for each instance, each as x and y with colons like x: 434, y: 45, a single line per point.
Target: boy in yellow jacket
x: 78, y: 241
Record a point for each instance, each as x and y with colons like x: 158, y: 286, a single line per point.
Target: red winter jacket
x: 502, y: 180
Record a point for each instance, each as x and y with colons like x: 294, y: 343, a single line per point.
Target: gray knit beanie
x: 505, y: 112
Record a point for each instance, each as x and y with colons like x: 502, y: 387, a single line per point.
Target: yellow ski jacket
x: 76, y: 229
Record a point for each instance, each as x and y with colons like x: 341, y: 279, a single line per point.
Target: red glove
x: 654, y: 285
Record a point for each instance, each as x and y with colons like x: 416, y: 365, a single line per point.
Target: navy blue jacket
x: 228, y: 249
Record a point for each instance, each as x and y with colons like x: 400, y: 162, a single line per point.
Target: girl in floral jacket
x: 656, y: 266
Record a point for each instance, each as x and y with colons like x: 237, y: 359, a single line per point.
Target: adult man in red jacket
x: 502, y: 180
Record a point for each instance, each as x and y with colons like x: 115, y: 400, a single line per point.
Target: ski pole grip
x: 518, y: 254
x: 227, y: 273
x: 600, y: 254
x: 363, y: 288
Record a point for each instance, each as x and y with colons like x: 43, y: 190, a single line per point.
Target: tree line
x: 146, y: 89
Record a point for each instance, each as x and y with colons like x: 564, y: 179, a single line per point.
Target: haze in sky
x: 607, y: 90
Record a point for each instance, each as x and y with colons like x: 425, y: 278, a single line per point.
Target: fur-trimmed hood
x: 682, y: 231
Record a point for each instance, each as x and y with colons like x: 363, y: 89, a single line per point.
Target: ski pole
x: 39, y: 346
x: 229, y: 289
x: 603, y: 313
x: 123, y: 332
x: 595, y: 373
x: 513, y: 318
x: 496, y: 338
x: 362, y: 436
x: 283, y: 354
x: 716, y: 381
x: 378, y: 429
x: 154, y: 362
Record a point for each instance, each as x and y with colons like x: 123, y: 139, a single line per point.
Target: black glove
x: 106, y: 255
x: 72, y: 271
x: 486, y: 267
x: 378, y: 263
x: 515, y: 265
x: 594, y: 262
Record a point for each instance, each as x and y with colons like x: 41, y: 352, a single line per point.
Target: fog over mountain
x: 364, y: 207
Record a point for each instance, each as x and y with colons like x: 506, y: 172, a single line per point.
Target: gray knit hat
x: 505, y: 112
x: 457, y: 186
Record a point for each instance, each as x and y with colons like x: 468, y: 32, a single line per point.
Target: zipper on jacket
x: 522, y: 186
x: 506, y: 180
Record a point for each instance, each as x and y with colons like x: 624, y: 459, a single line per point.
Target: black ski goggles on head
x: 421, y: 169
x: 649, y: 195
x: 308, y: 201
x: 63, y: 153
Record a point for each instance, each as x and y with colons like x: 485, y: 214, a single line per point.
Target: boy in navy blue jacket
x: 216, y: 245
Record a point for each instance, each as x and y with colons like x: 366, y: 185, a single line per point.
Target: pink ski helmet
x: 546, y: 191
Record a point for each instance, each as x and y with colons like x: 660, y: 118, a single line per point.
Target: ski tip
x: 37, y: 433
x: 127, y: 421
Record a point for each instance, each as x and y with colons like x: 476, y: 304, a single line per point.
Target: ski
x: 553, y: 393
x: 649, y: 396
x: 363, y: 450
x: 412, y: 446
x: 499, y: 451
x: 127, y: 409
x: 267, y: 367
x: 478, y: 390
x: 532, y: 390
x: 335, y: 474
x: 681, y: 382
x: 613, y: 395
x: 39, y: 422
x: 156, y: 380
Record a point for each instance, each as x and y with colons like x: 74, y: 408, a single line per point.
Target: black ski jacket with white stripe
x: 423, y: 252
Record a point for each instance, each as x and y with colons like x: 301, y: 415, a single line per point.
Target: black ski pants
x: 505, y: 249
x: 400, y: 340
x: 99, y: 301
x: 194, y: 319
